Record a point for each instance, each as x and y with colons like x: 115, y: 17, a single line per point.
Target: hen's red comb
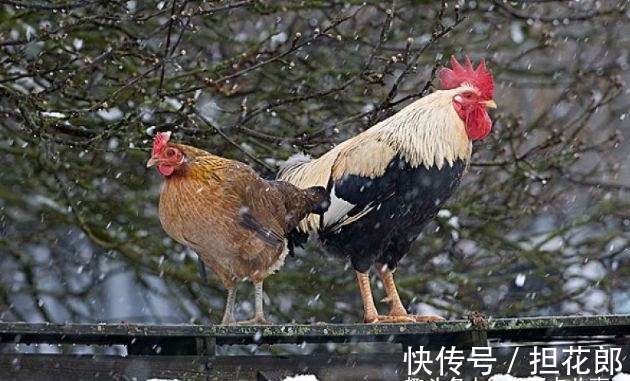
x: 458, y: 75
x: 160, y: 141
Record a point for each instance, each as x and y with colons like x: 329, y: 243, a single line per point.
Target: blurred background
x: 540, y: 226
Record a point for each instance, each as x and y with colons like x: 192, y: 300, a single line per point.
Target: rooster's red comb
x: 458, y: 75
x: 160, y: 141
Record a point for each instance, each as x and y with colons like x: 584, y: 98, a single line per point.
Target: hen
x: 386, y: 183
x: 234, y: 220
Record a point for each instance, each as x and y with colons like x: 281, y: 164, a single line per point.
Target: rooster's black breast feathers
x: 388, y: 212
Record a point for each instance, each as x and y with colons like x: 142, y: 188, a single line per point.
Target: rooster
x: 237, y: 222
x: 386, y: 183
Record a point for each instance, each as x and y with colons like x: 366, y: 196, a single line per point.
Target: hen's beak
x: 152, y: 161
x: 489, y: 104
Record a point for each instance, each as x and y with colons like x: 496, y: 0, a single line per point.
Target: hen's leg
x: 370, y: 314
x: 259, y: 314
x: 396, y: 306
x: 228, y: 314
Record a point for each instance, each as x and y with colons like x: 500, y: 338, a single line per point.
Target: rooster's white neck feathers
x: 428, y: 132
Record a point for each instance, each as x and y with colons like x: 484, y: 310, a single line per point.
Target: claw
x: 387, y: 319
x: 255, y: 321
x: 427, y: 318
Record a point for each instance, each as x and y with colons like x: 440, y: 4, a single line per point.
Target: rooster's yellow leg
x: 370, y: 314
x: 396, y: 307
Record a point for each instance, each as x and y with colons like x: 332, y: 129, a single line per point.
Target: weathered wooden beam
x: 566, y: 327
x: 89, y: 368
x: 111, y: 334
x: 187, y: 351
x: 461, y: 333
x: 171, y: 346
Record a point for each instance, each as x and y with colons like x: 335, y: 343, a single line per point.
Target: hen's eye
x: 170, y: 152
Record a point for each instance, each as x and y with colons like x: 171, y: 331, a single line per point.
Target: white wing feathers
x: 337, y: 214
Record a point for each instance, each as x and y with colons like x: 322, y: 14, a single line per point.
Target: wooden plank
x: 169, y: 346
x: 460, y: 333
x: 328, y: 367
x: 101, y: 333
x: 341, y: 333
x: 287, y: 333
x: 559, y: 326
x: 90, y: 368
x: 180, y: 347
x: 128, y: 334
x: 273, y: 375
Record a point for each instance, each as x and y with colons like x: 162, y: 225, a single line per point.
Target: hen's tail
x: 319, y: 199
x: 315, y: 200
x: 301, y: 202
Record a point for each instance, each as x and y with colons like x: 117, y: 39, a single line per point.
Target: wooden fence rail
x: 557, y: 348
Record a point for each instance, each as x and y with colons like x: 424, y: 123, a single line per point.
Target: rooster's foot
x: 257, y: 320
x: 427, y: 318
x: 385, y: 319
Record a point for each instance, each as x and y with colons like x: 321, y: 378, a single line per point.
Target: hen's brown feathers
x: 236, y: 221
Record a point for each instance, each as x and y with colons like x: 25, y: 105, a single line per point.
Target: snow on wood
x: 301, y: 377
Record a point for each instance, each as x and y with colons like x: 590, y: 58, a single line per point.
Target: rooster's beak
x: 152, y: 161
x: 490, y: 104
